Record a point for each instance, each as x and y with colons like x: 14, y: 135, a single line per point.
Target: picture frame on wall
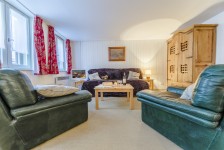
x: 81, y: 74
x: 116, y: 53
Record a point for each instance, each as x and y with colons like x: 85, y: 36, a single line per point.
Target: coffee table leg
x: 101, y: 94
x: 131, y: 100
x: 96, y: 98
x: 128, y: 96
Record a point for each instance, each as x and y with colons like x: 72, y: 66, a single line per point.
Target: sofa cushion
x: 133, y: 75
x: 114, y: 74
x: 16, y: 88
x: 209, y: 89
x: 103, y: 71
x: 55, y: 90
x: 126, y: 70
x: 94, y: 76
x: 49, y: 103
x: 188, y: 92
x: 172, y: 101
x: 104, y: 77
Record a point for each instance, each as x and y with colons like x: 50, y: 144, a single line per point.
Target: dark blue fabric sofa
x: 114, y: 75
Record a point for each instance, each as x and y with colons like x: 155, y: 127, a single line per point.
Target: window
x: 2, y: 33
x: 60, y: 48
x: 15, y: 49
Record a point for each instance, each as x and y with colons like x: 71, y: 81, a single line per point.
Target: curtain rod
x: 35, y: 15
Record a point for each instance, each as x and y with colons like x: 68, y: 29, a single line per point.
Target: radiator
x: 63, y: 80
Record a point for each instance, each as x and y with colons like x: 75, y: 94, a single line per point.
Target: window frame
x: 7, y: 61
x: 57, y: 36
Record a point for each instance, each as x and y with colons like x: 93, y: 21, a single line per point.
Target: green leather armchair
x: 26, y: 122
x: 193, y: 125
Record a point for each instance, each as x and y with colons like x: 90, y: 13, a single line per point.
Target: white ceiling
x: 120, y: 19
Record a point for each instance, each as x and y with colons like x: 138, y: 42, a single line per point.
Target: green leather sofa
x: 26, y: 122
x: 193, y: 125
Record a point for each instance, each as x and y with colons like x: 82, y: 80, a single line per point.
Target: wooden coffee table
x: 119, y: 88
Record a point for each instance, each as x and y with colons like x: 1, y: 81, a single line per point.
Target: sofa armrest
x: 175, y: 89
x: 50, y: 103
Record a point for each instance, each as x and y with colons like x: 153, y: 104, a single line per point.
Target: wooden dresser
x: 189, y: 51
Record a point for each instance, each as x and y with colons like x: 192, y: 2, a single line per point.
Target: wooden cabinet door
x: 171, y: 71
x: 186, y: 52
x: 169, y: 45
x: 188, y: 72
x: 189, y: 39
x: 180, y: 63
x: 171, y: 63
x: 172, y: 68
x: 186, y: 44
x: 204, y: 46
x: 176, y: 43
x: 171, y: 51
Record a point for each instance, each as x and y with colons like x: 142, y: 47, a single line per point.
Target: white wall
x: 140, y: 54
x: 218, y: 19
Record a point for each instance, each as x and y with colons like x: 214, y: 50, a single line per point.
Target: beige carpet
x: 113, y: 127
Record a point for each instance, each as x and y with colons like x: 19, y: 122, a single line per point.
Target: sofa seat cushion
x: 49, y: 103
x: 172, y: 103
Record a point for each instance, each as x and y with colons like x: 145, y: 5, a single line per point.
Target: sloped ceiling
x: 82, y: 20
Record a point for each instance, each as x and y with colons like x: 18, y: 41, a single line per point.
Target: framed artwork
x: 78, y: 74
x: 116, y: 53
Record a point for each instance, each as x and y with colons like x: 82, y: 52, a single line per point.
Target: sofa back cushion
x: 137, y: 70
x: 16, y: 88
x: 101, y: 72
x: 114, y: 73
x: 209, y: 89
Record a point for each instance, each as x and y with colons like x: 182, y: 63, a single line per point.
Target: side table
x: 78, y: 83
x: 151, y: 84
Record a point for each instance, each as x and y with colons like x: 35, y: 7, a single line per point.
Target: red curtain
x: 40, y: 47
x: 52, y: 55
x: 69, y: 56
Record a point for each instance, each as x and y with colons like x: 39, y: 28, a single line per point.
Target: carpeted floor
x: 112, y: 127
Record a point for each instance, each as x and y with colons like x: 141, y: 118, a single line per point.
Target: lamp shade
x: 147, y: 72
